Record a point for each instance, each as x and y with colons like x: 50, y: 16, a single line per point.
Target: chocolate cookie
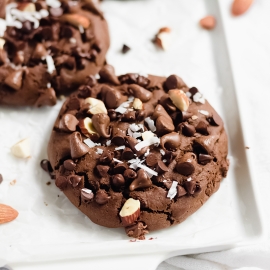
x: 49, y: 48
x: 138, y: 152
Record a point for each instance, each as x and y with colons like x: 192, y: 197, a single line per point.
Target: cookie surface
x: 48, y: 48
x: 138, y: 152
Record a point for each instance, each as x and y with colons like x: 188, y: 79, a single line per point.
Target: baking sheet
x: 49, y: 227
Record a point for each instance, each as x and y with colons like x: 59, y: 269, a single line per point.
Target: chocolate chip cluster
x: 48, y: 48
x: 128, y: 139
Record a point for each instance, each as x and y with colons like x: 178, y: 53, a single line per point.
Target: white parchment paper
x: 46, y: 217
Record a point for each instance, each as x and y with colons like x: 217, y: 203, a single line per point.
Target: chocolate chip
x: 3, y: 57
x: 101, y: 123
x: 56, y: 12
x: 142, y: 81
x: 215, y: 120
x: 67, y: 31
x: 185, y: 165
x: 140, y: 115
x: 142, y: 181
x: 112, y: 97
x: 86, y: 195
x: 91, y: 80
x: 61, y: 182
x: 161, y: 167
x: 102, y: 197
x: 174, y: 82
x: 151, y: 160
x: 26, y: 27
x: 127, y: 154
x: 129, y: 116
x: 188, y: 130
x: 112, y: 114
x: 1, y: 178
x: 107, y: 74
x: 74, y: 180
x: 204, y: 159
x: 180, y: 191
x: 68, y: 123
x: 77, y: 147
x: 170, y: 141
x: 106, y: 157
x: 190, y: 186
x: 69, y: 164
x: 166, y: 102
x: 74, y: 104
x: 186, y: 116
x: 129, y: 174
x: 46, y: 97
x: 160, y: 111
x: 14, y: 79
x: 119, y: 168
x: 202, y: 128
x: 131, y: 142
x: 18, y: 58
x: 46, y: 165
x: 193, y: 91
x: 139, y: 92
x: 103, y: 170
x: 84, y: 91
x: 118, y: 180
x: 125, y: 48
x: 164, y: 125
x: 39, y: 51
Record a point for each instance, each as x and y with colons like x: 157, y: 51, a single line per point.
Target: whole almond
x: 208, y: 22
x: 7, y: 213
x: 76, y: 20
x: 239, y: 7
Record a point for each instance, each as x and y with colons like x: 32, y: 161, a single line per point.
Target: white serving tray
x: 50, y: 233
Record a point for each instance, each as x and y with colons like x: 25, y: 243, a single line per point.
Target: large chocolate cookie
x: 48, y: 48
x: 138, y: 152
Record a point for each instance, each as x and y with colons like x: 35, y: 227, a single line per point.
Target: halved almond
x: 87, y: 128
x: 130, y: 211
x: 137, y: 104
x: 179, y: 99
x: 96, y: 106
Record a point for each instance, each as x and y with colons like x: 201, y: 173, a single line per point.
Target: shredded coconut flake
x: 162, y: 152
x: 188, y: 94
x: 189, y: 179
x: 108, y: 143
x: 86, y: 190
x: 137, y: 135
x: 117, y: 160
x: 121, y: 110
x: 147, y: 152
x: 99, y: 151
x: 134, y: 127
x: 120, y: 147
x: 172, y: 191
x: 148, y: 142
x: 150, y: 123
x: 198, y: 97
x: 73, y: 40
x: 48, y: 85
x: 50, y: 64
x: 81, y: 29
x: 194, y: 117
x: 89, y: 142
x: 53, y: 3
x: 148, y: 170
x: 203, y: 112
x: 164, y: 160
x: 3, y: 27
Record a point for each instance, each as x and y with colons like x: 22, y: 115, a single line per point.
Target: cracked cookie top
x: 140, y: 152
x: 48, y: 48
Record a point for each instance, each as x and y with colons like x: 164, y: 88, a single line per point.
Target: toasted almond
x: 130, y: 211
x: 147, y: 135
x: 87, y: 128
x: 239, y: 7
x: 76, y: 20
x: 137, y: 104
x: 96, y: 106
x: 208, y: 22
x: 2, y: 43
x: 7, y: 213
x: 179, y: 99
x: 164, y: 38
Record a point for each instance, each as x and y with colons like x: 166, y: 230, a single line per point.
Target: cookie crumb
x: 208, y: 22
x: 1, y: 178
x: 163, y: 38
x: 45, y: 203
x: 247, y: 147
x: 13, y: 182
x: 48, y: 183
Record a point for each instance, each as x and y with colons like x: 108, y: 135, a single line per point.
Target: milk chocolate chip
x: 69, y: 164
x: 142, y: 181
x: 61, y: 182
x: 161, y: 167
x: 180, y: 191
x: 112, y: 97
x: 170, y: 141
x: 127, y: 154
x: 185, y: 165
x: 215, y: 120
x: 74, y: 180
x: 118, y: 180
x: 129, y: 174
x: 160, y: 111
x: 47, y: 97
x: 107, y: 74
x: 68, y: 123
x: 192, y: 187
x: 103, y: 170
x: 202, y: 128
x: 151, y: 160
x: 14, y: 79
x: 77, y: 147
x: 102, y: 197
x: 164, y: 125
x: 139, y: 92
x: 101, y: 123
x: 204, y: 159
x: 174, y: 82
x: 188, y: 130
x: 106, y: 157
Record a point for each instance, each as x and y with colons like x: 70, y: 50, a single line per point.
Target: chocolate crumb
x: 48, y: 183
x: 125, y: 49
x: 1, y: 178
x: 247, y: 147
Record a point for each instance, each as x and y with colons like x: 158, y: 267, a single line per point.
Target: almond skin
x: 7, y: 213
x: 239, y: 7
x: 130, y: 211
x: 208, y: 22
